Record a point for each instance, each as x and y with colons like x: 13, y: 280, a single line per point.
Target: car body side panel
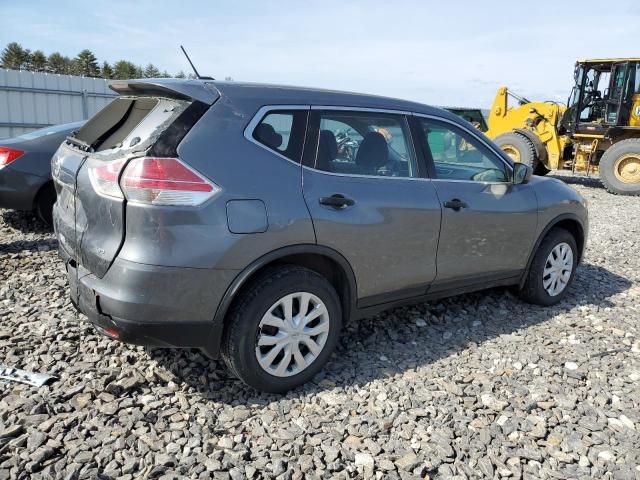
x: 200, y: 237
x: 555, y: 199
x: 22, y: 179
x: 390, y: 234
x: 18, y: 189
x: 492, y: 235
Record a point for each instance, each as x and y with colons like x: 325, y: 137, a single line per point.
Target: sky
x: 450, y: 53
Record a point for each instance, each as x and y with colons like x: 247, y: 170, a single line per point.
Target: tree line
x: 15, y: 57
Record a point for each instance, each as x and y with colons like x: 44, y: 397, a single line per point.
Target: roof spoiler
x: 204, y: 92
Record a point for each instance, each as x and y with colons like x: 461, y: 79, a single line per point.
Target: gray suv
x: 253, y: 220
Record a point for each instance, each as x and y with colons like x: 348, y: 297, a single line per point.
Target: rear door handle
x: 336, y: 201
x: 455, y: 204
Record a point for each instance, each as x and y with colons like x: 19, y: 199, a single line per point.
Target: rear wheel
x: 552, y: 269
x: 44, y: 203
x: 620, y: 167
x: 518, y: 147
x: 283, y: 329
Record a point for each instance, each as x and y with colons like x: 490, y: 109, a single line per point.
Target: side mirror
x: 521, y: 173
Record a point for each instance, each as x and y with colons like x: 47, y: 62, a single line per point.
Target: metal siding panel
x: 46, y: 108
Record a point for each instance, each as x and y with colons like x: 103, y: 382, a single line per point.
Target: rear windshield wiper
x: 79, y: 143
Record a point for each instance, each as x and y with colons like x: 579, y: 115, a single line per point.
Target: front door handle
x: 336, y: 201
x: 456, y: 204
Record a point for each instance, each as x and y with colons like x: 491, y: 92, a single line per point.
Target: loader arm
x: 540, y: 118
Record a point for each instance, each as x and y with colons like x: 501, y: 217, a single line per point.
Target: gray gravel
x: 478, y: 386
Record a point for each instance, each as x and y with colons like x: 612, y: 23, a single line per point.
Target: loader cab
x: 604, y: 96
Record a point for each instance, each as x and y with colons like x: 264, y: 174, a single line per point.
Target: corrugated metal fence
x: 30, y: 100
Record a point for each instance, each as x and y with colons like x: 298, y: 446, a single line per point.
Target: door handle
x: 336, y: 201
x: 456, y: 204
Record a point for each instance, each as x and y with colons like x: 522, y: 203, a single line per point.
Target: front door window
x: 457, y: 155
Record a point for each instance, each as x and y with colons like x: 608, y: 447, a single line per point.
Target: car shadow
x: 25, y: 222
x: 592, y: 182
x: 38, y: 245
x: 391, y: 343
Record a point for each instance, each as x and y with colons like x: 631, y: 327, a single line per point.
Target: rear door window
x: 364, y: 143
x: 283, y: 132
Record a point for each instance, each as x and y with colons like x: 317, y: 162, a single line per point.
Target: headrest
x: 266, y: 134
x: 327, y: 149
x: 373, y: 151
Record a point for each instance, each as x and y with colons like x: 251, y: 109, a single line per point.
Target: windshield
x: 43, y: 132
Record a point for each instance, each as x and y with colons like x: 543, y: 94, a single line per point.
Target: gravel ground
x: 477, y: 386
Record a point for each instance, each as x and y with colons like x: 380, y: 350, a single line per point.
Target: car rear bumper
x: 152, y: 305
x: 18, y: 189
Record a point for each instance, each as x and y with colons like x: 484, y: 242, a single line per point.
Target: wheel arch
x: 41, y: 190
x: 324, y: 260
x: 569, y: 222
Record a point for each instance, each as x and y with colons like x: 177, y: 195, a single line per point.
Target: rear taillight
x: 165, y: 181
x: 104, y: 178
x: 8, y: 155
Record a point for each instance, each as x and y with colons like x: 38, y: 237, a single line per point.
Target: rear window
x: 283, y: 132
x: 128, y: 122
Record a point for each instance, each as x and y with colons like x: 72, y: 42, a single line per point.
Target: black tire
x: 608, y: 165
x: 533, y: 290
x: 44, y: 203
x: 242, y: 329
x: 541, y: 170
x: 525, y: 147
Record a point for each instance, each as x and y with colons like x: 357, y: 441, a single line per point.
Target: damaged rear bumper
x: 152, y: 305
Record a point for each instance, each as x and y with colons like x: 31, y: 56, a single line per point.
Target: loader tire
x: 519, y: 148
x: 620, y: 167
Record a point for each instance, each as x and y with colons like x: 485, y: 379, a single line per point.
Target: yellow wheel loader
x: 598, y: 131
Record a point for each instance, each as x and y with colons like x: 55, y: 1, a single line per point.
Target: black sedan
x: 25, y: 169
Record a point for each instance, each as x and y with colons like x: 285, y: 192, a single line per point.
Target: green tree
x: 123, y: 70
x: 165, y: 74
x: 180, y: 74
x: 151, y: 71
x: 106, y: 71
x: 86, y: 64
x: 57, y: 63
x: 38, y: 61
x: 14, y: 56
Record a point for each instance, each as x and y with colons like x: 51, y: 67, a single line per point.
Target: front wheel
x: 283, y: 329
x: 552, y: 270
